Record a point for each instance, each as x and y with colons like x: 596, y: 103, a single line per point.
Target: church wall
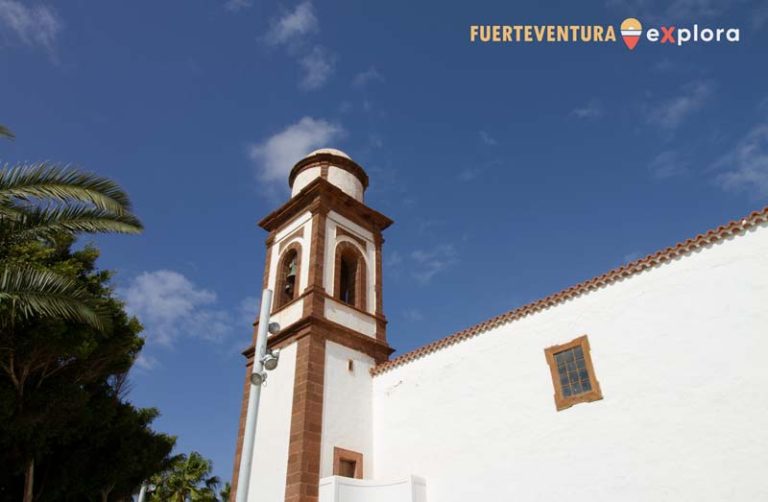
x: 681, y: 355
x: 346, y: 406
x: 273, y: 431
x: 304, y: 178
x: 347, y: 181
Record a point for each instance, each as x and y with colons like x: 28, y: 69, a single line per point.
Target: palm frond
x: 43, y: 222
x: 62, y: 184
x: 37, y: 293
x: 6, y: 133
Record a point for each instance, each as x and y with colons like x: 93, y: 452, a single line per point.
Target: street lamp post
x: 257, y: 378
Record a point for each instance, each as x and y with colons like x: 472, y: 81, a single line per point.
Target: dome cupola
x: 332, y: 165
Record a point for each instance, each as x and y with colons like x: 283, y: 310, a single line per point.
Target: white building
x: 647, y: 383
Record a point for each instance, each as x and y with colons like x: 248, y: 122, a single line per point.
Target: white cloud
x: 431, y: 262
x: 237, y: 5
x: 745, y: 168
x: 275, y: 156
x: 671, y: 113
x: 413, y: 315
x: 487, y: 139
x: 248, y: 310
x: 393, y: 259
x: 367, y: 77
x: 167, y: 304
x: 591, y: 110
x: 33, y: 25
x: 668, y: 164
x: 172, y: 308
x: 469, y: 173
x: 294, y: 25
x: 318, y: 66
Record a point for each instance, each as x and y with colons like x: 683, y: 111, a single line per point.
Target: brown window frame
x: 562, y: 402
x: 347, y: 248
x: 340, y: 454
x: 280, y: 301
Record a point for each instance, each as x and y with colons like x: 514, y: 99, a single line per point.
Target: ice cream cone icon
x: 631, y: 29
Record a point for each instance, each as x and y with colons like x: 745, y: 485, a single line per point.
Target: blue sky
x: 511, y: 170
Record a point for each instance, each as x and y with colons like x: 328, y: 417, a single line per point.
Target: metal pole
x: 246, y: 456
x: 142, y: 492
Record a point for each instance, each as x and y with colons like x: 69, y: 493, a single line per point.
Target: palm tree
x: 225, y: 492
x: 187, y: 479
x: 37, y: 202
x: 5, y: 132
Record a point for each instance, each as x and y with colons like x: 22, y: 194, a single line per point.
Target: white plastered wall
x: 347, y: 181
x: 304, y: 178
x: 680, y: 354
x: 346, y: 406
x: 337, y: 176
x: 273, y: 431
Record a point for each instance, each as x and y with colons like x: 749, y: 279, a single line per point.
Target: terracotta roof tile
x: 733, y: 228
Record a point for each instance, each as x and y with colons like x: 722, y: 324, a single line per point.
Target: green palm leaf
x: 6, y: 133
x: 44, y: 222
x: 62, y: 184
x: 33, y: 293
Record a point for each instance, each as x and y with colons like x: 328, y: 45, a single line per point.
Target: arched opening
x: 288, y: 277
x: 350, y: 275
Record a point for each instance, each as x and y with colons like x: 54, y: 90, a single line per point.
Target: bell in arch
x: 290, y: 277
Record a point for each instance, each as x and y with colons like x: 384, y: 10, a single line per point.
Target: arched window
x: 288, y: 276
x: 350, y: 275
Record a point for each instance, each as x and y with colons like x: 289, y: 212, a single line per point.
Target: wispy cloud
x: 470, y: 173
x: 34, y: 25
x: 293, y: 26
x: 294, y: 31
x: 487, y: 139
x: 670, y: 113
x: 166, y: 302
x: 369, y: 76
x: 745, y: 167
x: 275, y: 156
x: 171, y: 308
x: 413, y: 315
x: 237, y: 5
x: 591, y: 110
x: 668, y: 164
x: 430, y: 262
x: 318, y: 66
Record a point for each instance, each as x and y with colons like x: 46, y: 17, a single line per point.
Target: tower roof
x: 334, y: 158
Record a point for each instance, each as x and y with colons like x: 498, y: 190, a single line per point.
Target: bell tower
x: 324, y: 263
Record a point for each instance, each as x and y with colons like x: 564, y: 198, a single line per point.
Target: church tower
x: 323, y: 262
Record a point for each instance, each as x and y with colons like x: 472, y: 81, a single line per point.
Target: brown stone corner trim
x: 732, y: 229
x: 340, y: 454
x: 562, y: 402
x: 303, y: 476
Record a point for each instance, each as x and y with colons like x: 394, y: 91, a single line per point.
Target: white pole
x: 246, y: 456
x: 142, y: 492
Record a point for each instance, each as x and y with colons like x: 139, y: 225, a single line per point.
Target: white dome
x: 332, y: 151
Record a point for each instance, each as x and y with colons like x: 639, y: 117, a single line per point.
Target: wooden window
x: 572, y: 373
x: 347, y: 463
x: 350, y: 276
x: 288, y: 276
